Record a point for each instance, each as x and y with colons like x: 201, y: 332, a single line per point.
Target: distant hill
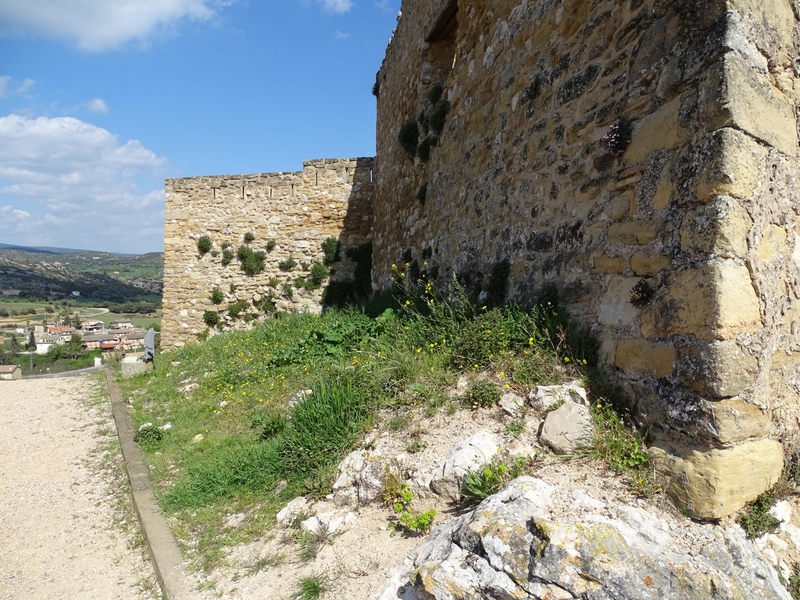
x: 54, y: 250
x: 57, y: 272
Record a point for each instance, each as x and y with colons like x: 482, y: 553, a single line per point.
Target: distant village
x: 119, y: 336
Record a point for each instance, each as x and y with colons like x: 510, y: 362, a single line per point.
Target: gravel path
x: 66, y: 526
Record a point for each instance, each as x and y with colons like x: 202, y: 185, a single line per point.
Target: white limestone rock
x: 545, y: 396
x: 568, y: 428
x: 468, y: 455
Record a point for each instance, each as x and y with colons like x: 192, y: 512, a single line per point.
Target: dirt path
x: 66, y: 526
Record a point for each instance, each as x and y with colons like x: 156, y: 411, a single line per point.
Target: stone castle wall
x: 696, y: 211
x: 296, y: 211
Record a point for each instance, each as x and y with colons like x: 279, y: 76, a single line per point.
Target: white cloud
x: 337, y: 6
x: 340, y: 35
x: 13, y: 86
x: 74, y: 184
x: 99, y: 25
x: 97, y: 105
x: 385, y: 5
x: 24, y: 86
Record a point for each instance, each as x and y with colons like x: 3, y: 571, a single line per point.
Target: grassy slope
x: 354, y: 364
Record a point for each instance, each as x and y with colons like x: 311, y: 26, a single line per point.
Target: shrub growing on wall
x: 204, y: 245
x: 235, y: 310
x: 251, y: 262
x: 211, y: 318
x: 409, y: 137
x: 227, y: 257
x: 249, y: 237
x: 217, y: 296
x: 422, y: 193
x: 316, y: 276
x: 330, y: 248
x: 288, y: 264
x: 438, y: 116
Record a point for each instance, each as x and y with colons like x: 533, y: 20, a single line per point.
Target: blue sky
x: 100, y: 100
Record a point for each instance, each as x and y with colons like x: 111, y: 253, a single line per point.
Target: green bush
x: 287, y: 265
x: 422, y: 193
x: 211, y: 318
x: 482, y: 394
x: 755, y: 518
x: 249, y: 237
x: 435, y: 93
x: 438, y: 116
x: 330, y: 248
x: 237, y: 308
x: 490, y: 479
x: 148, y: 434
x: 227, y: 257
x: 217, y: 296
x: 424, y: 148
x: 416, y: 523
x: 317, y: 274
x: 271, y: 245
x: 204, y: 245
x: 409, y: 137
x: 251, y: 262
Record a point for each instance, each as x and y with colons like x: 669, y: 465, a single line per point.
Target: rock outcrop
x: 518, y: 544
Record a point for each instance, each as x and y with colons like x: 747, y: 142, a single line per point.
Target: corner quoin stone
x: 714, y: 483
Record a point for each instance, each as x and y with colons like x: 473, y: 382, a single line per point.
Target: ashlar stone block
x: 642, y: 356
x: 738, y: 95
x: 659, y: 130
x: 718, y: 369
x: 714, y: 483
x: 772, y: 242
x: 721, y: 227
x: 735, y: 166
x: 713, y: 301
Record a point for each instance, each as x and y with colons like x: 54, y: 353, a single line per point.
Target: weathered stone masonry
x: 297, y: 211
x: 606, y: 147
x: 701, y: 205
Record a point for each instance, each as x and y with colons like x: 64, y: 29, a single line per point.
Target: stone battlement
x: 289, y: 215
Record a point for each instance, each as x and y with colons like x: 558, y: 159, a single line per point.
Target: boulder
x: 510, y: 547
x: 468, y: 455
x: 293, y: 509
x: 360, y: 478
x: 545, y: 396
x: 568, y: 428
x: 328, y: 523
x: 511, y: 403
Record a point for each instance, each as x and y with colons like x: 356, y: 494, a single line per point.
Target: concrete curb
x: 167, y: 560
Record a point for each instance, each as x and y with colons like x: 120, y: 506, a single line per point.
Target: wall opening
x: 292, y: 190
x: 441, y: 54
x: 346, y: 175
x: 214, y: 191
x: 242, y: 192
x: 370, y: 175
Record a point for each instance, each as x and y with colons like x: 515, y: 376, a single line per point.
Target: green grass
x: 409, y: 352
x: 311, y: 588
x: 143, y: 321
